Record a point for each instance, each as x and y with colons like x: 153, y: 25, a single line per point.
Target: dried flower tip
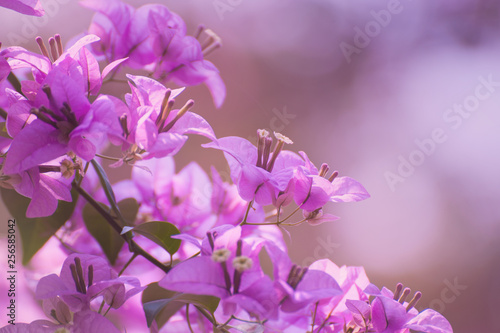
x: 53, y: 48
x: 405, y: 294
x: 277, y: 149
x: 262, y: 133
x: 199, y: 30
x: 79, y: 272
x: 91, y: 275
x: 333, y: 176
x: 239, y: 247
x: 189, y: 104
x: 211, y: 239
x: 295, y: 276
x: 166, y: 107
x: 60, y: 48
x: 397, y: 292
x: 414, y: 301
x: 74, y: 274
x: 123, y: 124
x: 42, y: 47
x: 242, y: 263
x: 323, y: 170
x: 283, y: 138
x: 221, y: 255
x: 212, y: 43
x: 67, y: 169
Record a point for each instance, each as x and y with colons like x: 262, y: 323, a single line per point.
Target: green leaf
x: 109, y: 240
x: 3, y: 131
x: 35, y: 232
x: 108, y: 190
x: 161, y: 310
x: 160, y: 232
x: 160, y: 304
x: 129, y: 208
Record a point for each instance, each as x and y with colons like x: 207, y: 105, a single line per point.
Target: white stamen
x: 283, y: 138
x: 242, y: 263
x: 221, y: 255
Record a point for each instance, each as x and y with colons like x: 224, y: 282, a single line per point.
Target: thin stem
x: 325, y: 321
x: 104, y: 315
x: 260, y: 223
x: 133, y: 247
x: 101, y: 307
x: 108, y: 157
x: 314, y: 316
x: 227, y: 321
x: 291, y: 214
x: 246, y: 213
x: 187, y: 318
x: 128, y: 263
x: 206, y: 314
x: 295, y: 223
x: 84, y: 173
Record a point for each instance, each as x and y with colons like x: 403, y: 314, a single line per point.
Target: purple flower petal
x: 200, y: 275
x: 28, y: 7
x: 346, y: 189
x: 34, y: 145
x: 429, y: 321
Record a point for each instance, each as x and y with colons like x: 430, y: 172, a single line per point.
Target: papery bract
x: 83, y: 278
x: 154, y: 38
x: 28, y: 7
x: 228, y: 268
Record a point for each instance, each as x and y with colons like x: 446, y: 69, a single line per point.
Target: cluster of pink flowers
x: 205, y: 236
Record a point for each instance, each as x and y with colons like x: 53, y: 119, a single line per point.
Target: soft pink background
x: 443, y: 222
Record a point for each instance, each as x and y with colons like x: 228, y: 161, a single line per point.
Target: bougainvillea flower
x: 229, y: 269
x: 390, y: 312
x: 312, y: 189
x: 154, y: 38
x: 66, y: 121
x: 44, y: 190
x: 353, y: 281
x: 150, y: 125
x: 84, y: 69
x: 83, y: 321
x: 83, y: 278
x: 28, y: 7
x: 259, y: 173
x: 300, y: 286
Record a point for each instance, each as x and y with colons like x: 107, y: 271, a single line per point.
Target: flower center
x: 55, y: 45
x: 77, y: 274
x: 296, y: 275
x: 265, y: 159
x: 323, y: 170
x: 221, y: 255
x: 64, y: 120
x: 401, y: 294
x: 242, y: 263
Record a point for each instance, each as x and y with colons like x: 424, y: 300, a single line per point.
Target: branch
x: 133, y: 246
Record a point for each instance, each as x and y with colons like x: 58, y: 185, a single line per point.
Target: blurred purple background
x: 369, y: 88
